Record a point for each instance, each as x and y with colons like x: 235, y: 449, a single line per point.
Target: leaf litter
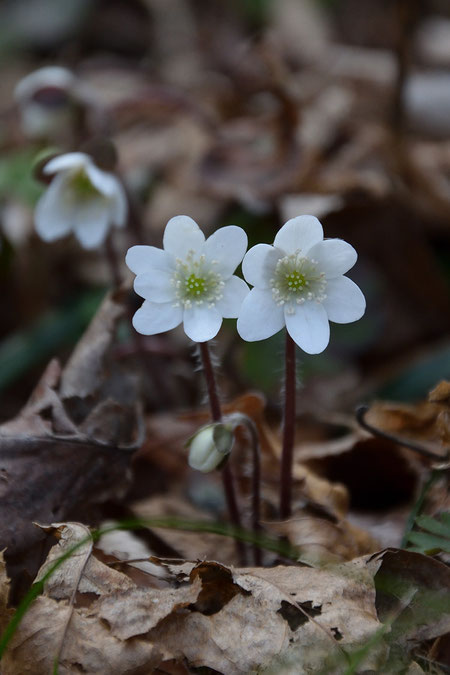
x: 294, y: 119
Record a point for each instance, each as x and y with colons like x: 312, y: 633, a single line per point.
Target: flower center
x: 296, y: 280
x: 196, y: 282
x: 81, y: 186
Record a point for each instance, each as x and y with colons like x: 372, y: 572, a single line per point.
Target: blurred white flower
x: 82, y: 199
x: 190, y: 281
x: 210, y: 446
x: 46, y: 99
x: 299, y: 283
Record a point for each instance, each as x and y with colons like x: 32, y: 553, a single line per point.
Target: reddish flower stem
x: 256, y: 488
x: 288, y: 431
x: 227, y: 476
x: 113, y: 263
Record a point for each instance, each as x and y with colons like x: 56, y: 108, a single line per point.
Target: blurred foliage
x: 435, y: 535
x: 16, y: 178
x: 38, y: 343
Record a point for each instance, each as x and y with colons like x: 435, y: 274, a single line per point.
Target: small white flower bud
x: 210, y: 447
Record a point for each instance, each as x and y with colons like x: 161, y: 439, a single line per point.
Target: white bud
x: 210, y: 446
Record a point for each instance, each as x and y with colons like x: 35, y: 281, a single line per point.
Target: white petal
x: 155, y: 286
x: 260, y: 317
x: 234, y: 292
x: 119, y: 206
x: 71, y: 160
x: 201, y: 322
x: 52, y: 217
x: 141, y: 259
x: 344, y: 302
x: 105, y: 182
x: 154, y: 318
x: 259, y: 264
x: 182, y: 234
x: 227, y: 246
x: 90, y: 222
x: 299, y: 234
x: 49, y: 76
x: 334, y: 256
x: 309, y: 327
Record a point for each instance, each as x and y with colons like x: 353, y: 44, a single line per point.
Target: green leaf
x: 429, y: 543
x: 435, y: 526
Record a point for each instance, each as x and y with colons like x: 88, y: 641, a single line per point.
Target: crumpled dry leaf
x: 286, y: 619
x: 60, y: 455
x: 233, y: 621
x: 427, y: 422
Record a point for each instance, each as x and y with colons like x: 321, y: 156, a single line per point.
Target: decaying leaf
x: 59, y: 455
x: 427, y: 422
x: 284, y: 619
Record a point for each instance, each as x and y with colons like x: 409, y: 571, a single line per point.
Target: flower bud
x: 210, y: 446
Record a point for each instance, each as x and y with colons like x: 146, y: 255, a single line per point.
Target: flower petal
x: 299, y: 234
x: 308, y: 326
x: 105, y: 182
x: 48, y: 76
x: 259, y: 264
x: 234, y: 292
x: 155, y: 286
x: 260, y: 317
x: 154, y: 318
x: 182, y: 234
x: 344, y: 302
x: 141, y: 259
x: 90, y: 222
x: 227, y: 246
x: 201, y: 322
x: 334, y: 256
x: 119, y: 206
x: 71, y: 160
x: 52, y: 217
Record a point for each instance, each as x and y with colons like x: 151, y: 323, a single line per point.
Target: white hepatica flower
x: 81, y: 199
x: 45, y: 99
x: 299, y: 283
x: 190, y: 281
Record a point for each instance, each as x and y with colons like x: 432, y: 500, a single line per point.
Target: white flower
x: 45, y: 99
x: 190, y: 281
x: 81, y: 199
x: 299, y: 283
x: 210, y: 446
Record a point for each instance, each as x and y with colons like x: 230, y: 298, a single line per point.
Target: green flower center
x: 82, y: 188
x: 194, y: 286
x: 196, y: 282
x: 297, y: 279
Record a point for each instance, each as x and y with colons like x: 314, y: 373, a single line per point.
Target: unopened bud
x: 210, y: 446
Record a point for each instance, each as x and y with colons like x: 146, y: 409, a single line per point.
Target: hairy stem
x: 288, y: 431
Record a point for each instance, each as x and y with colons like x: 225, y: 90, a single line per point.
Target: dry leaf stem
x: 288, y: 431
x: 216, y: 414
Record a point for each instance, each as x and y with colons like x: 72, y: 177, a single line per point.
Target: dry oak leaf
x: 62, y: 453
x: 426, y: 422
x: 287, y: 619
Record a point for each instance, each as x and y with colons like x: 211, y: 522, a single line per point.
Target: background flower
x: 47, y: 100
x: 299, y: 283
x: 191, y: 280
x: 81, y: 199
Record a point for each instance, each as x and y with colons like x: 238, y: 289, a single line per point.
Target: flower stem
x: 288, y: 431
x: 216, y: 414
x: 113, y: 263
x: 256, y: 485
